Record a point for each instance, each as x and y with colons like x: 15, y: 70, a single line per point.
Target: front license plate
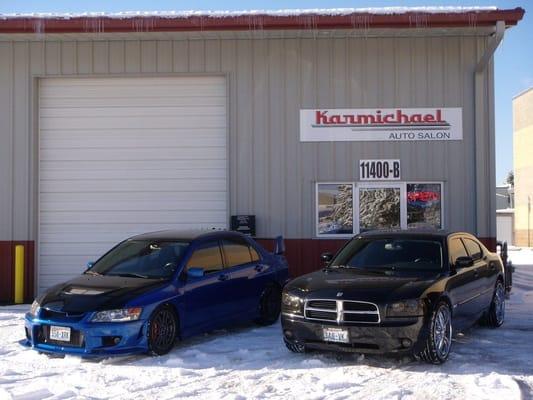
x: 335, y: 335
x: 60, y: 333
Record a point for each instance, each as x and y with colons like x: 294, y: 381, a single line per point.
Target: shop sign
x: 383, y: 124
x: 379, y: 170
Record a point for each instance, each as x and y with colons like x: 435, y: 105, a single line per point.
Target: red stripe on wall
x: 7, y: 270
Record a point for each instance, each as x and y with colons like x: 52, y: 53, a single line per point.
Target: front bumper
x: 398, y: 335
x: 88, y: 339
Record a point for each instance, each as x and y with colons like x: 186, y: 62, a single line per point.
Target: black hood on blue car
x: 88, y: 293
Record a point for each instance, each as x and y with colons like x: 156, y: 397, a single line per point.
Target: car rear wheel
x: 439, y: 341
x: 269, y: 305
x: 294, y: 347
x: 162, y: 331
x: 496, y: 314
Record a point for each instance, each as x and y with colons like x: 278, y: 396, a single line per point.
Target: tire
x: 162, y: 331
x: 294, y: 347
x: 269, y: 305
x: 439, y: 341
x: 496, y: 315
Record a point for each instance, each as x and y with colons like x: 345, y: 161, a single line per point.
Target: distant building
x: 504, y: 197
x: 523, y: 166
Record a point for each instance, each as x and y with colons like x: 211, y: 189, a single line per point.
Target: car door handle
x: 223, y: 277
x: 492, y: 266
x: 476, y: 274
x: 259, y: 268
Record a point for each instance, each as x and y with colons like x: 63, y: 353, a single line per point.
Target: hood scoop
x: 84, y: 291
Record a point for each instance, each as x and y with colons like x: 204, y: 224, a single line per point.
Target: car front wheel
x: 439, y: 341
x: 162, y: 331
x: 496, y: 314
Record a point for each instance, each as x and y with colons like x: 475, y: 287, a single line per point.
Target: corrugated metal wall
x: 272, y: 174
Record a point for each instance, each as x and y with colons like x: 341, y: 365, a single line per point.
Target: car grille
x: 342, y: 311
x: 76, y: 338
x: 59, y: 315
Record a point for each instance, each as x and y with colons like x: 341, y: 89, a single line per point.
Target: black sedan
x: 395, y: 292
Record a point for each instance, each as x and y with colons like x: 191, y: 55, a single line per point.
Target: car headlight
x: 291, y: 303
x: 34, y: 309
x: 120, y: 315
x: 406, y: 308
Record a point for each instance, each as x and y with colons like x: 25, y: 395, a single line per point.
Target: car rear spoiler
x: 279, y: 245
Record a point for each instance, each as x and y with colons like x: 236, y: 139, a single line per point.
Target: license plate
x: 335, y: 335
x: 60, y: 333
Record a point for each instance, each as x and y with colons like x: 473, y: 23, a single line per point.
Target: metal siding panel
x: 196, y: 56
x: 68, y: 58
x: 101, y: 57
x: 260, y: 167
x: 180, y: 55
x: 164, y: 56
x: 291, y: 140
x: 148, y: 56
x: 6, y: 141
x: 117, y: 57
x: 53, y: 58
x: 21, y: 143
x: 212, y: 56
x: 276, y: 149
x: 85, y: 57
x: 132, y: 56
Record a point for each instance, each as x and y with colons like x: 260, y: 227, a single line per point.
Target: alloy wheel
x: 442, y: 337
x: 499, y: 303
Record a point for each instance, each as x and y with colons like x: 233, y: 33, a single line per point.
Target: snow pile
x: 246, y: 13
x: 250, y: 362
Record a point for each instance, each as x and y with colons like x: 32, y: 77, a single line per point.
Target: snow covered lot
x: 251, y: 362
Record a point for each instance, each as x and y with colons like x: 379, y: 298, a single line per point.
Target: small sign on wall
x: 379, y: 170
x: 244, y: 224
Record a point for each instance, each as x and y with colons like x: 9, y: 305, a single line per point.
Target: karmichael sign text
x: 383, y: 124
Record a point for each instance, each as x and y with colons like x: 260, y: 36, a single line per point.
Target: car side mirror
x: 195, y: 272
x: 463, y: 262
x: 90, y: 264
x: 326, y: 257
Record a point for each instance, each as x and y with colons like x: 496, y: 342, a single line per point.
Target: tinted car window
x: 142, y: 258
x: 456, y: 249
x: 473, y: 248
x: 236, y: 253
x: 209, y: 258
x: 391, y: 253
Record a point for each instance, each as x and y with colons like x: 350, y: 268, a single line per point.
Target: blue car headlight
x: 119, y: 315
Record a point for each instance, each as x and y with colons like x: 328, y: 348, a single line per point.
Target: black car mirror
x: 463, y: 262
x: 279, y: 247
x: 326, y: 257
x: 195, y: 272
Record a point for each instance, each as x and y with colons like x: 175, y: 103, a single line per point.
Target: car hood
x: 364, y: 286
x: 94, y: 293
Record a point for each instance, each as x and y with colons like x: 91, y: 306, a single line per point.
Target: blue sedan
x: 154, y: 288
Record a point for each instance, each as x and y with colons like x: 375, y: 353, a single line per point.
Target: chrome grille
x: 342, y: 311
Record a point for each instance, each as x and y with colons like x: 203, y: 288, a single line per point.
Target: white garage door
x: 121, y: 156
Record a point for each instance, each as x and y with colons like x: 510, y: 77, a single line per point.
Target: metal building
x: 318, y: 123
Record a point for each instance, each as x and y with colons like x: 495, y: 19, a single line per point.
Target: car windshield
x: 390, y: 253
x: 141, y: 259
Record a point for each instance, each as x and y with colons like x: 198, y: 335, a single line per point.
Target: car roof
x: 188, y: 235
x: 418, y: 233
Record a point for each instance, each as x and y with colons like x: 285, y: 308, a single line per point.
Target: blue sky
x: 513, y: 59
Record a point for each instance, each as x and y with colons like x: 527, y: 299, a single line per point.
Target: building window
x: 334, y: 209
x: 424, y: 205
x: 347, y: 208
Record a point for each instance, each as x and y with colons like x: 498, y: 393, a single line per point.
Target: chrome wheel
x: 442, y: 331
x: 499, y: 303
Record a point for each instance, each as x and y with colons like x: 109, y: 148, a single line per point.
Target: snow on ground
x: 251, y: 362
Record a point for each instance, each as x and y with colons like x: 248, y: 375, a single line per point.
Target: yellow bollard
x: 19, y: 274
